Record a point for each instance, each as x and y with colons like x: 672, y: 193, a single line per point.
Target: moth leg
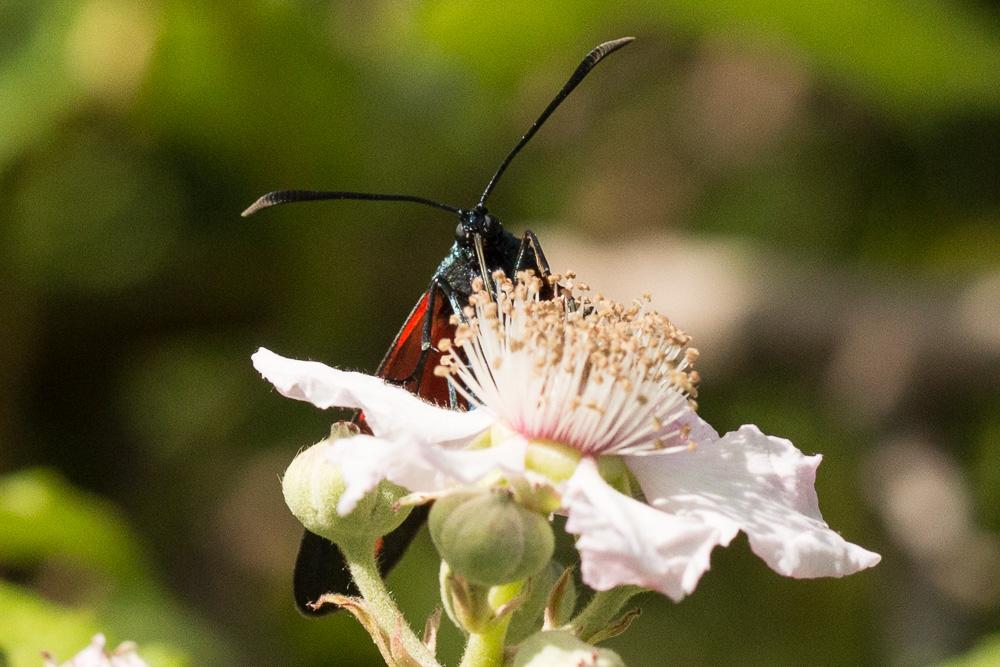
x: 425, y: 337
x: 530, y: 243
x: 449, y: 293
x: 426, y: 344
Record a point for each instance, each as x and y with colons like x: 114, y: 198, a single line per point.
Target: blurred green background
x: 812, y: 190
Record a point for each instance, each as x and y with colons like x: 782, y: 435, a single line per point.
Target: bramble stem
x: 485, y: 648
x: 364, y: 569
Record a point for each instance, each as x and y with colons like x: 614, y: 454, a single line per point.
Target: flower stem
x: 601, y: 610
x: 361, y: 561
x: 484, y: 648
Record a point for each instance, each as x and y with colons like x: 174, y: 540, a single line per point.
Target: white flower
x: 558, y: 648
x: 592, y: 380
x: 95, y: 655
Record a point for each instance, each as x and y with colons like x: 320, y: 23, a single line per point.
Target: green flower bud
x: 557, y: 648
x: 488, y: 538
x: 313, y: 485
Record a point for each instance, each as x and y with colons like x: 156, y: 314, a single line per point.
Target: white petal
x: 92, y: 656
x: 419, y: 467
x: 765, y: 486
x: 471, y: 465
x: 700, y: 430
x: 125, y: 656
x: 391, y: 411
x: 364, y: 461
x: 95, y: 655
x: 623, y: 541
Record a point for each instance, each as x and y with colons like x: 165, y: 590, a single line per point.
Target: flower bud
x: 488, y: 538
x: 557, y: 648
x: 313, y: 485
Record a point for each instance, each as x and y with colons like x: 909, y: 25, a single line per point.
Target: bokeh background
x: 812, y: 190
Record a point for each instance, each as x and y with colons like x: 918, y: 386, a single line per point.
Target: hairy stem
x: 364, y: 569
x: 484, y: 647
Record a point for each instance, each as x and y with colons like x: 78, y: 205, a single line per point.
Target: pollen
x: 565, y: 364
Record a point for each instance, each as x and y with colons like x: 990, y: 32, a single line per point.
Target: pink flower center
x: 575, y: 369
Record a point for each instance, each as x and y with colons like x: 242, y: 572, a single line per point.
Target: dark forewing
x: 320, y: 567
x: 403, y: 356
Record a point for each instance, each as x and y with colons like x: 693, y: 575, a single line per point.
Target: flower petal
x: 391, y: 411
x: 419, y: 467
x: 700, y: 431
x: 763, y: 485
x: 623, y: 541
x: 96, y: 655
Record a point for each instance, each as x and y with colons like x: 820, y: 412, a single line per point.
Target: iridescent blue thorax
x: 462, y: 264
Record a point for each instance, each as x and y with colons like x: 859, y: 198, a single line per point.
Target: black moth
x: 482, y: 246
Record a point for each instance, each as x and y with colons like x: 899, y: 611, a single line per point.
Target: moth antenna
x: 290, y: 196
x: 582, y: 70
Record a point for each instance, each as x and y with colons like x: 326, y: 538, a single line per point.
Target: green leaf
x: 41, y: 516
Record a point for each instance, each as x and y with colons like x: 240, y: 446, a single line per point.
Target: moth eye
x: 460, y: 232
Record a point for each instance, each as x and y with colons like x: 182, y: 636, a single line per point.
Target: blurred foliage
x: 139, y: 449
x: 80, y: 544
x: 985, y: 654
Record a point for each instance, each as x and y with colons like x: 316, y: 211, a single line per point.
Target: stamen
x: 578, y: 369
